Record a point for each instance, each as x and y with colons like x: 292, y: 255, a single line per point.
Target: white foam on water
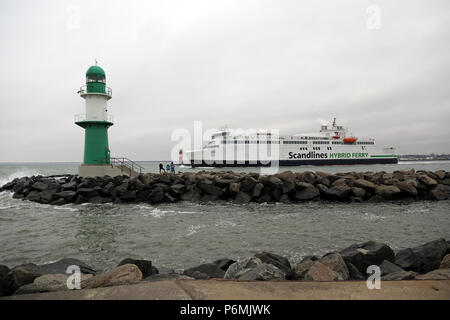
x: 18, y: 174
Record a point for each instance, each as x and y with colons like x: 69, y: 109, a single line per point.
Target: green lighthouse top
x: 95, y: 73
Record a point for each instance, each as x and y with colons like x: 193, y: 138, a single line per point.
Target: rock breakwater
x: 429, y: 261
x: 234, y: 186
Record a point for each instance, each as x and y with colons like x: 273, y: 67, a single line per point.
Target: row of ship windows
x: 250, y: 142
x: 286, y: 142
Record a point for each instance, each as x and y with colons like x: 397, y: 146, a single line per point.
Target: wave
x: 18, y: 174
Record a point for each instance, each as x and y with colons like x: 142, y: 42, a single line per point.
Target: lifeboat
x: 336, y: 135
x: 350, y: 140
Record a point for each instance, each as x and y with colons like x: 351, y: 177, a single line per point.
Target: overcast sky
x: 277, y: 64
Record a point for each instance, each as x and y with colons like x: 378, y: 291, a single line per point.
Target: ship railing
x: 93, y: 117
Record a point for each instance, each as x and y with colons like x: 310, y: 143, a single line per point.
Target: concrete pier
x: 255, y: 290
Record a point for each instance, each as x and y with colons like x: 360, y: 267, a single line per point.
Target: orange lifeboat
x: 350, y: 140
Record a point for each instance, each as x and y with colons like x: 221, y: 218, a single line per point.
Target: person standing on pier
x: 161, y: 168
x: 172, y: 167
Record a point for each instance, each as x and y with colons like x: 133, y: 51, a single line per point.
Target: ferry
x: 332, y: 145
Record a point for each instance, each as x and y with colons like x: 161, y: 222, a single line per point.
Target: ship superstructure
x: 331, y: 145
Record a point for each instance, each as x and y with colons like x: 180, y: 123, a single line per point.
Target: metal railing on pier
x: 127, y: 163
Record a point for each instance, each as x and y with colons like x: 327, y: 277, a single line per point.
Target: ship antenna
x: 334, y: 122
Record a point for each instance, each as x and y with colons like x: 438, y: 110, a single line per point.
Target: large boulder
x: 278, y: 261
x: 224, y: 263
x: 445, y: 263
x: 308, y: 193
x: 48, y: 283
x: 209, y: 188
x: 440, y: 192
x: 424, y: 258
x: 387, y: 267
x: 302, y: 269
x: 320, y: 272
x: 19, y: 276
x: 144, y: 265
x: 366, y: 254
x: 387, y: 192
x: 60, y: 266
x: 407, y: 187
x: 354, y: 273
x: 364, y: 184
x: 336, y: 263
x: 439, y: 274
x: 338, y: 192
x: 253, y: 268
x: 126, y: 274
x: 400, y: 275
x: 4, y: 270
x: 205, y: 271
x: 242, y: 197
x: 157, y: 195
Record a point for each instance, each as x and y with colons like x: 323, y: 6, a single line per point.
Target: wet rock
x: 445, y: 263
x: 247, y: 184
x: 400, y: 275
x: 354, y: 273
x: 19, y: 276
x: 320, y: 272
x: 69, y: 196
x: 210, y: 188
x: 287, y: 186
x: 72, y: 186
x: 440, y: 192
x: 108, y: 188
x: 336, y: 263
x: 191, y: 195
x: 422, y: 259
x: 339, y: 192
x: 47, y: 196
x: 211, y: 270
x: 387, y: 267
x: 34, y: 196
x: 48, y: 283
x: 4, y: 286
x: 426, y: 180
x: 61, y: 266
x: 242, y: 197
x: 366, y: 254
x: 144, y: 265
x: 358, y: 192
x: 407, y: 187
x: 177, y: 189
x: 209, y: 197
x: 254, y: 269
x: 364, y: 184
x: 234, y: 187
x: 308, y: 193
x: 278, y: 261
x: 387, y: 192
x: 275, y: 182
x: 125, y: 274
x: 58, y: 202
x: 224, y: 263
x: 157, y: 195
x: 302, y: 269
x: 439, y: 274
x: 257, y: 190
x: 39, y: 186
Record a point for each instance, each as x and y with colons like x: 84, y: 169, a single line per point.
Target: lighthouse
x: 95, y: 121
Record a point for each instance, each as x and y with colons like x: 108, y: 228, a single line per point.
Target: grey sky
x: 248, y: 64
